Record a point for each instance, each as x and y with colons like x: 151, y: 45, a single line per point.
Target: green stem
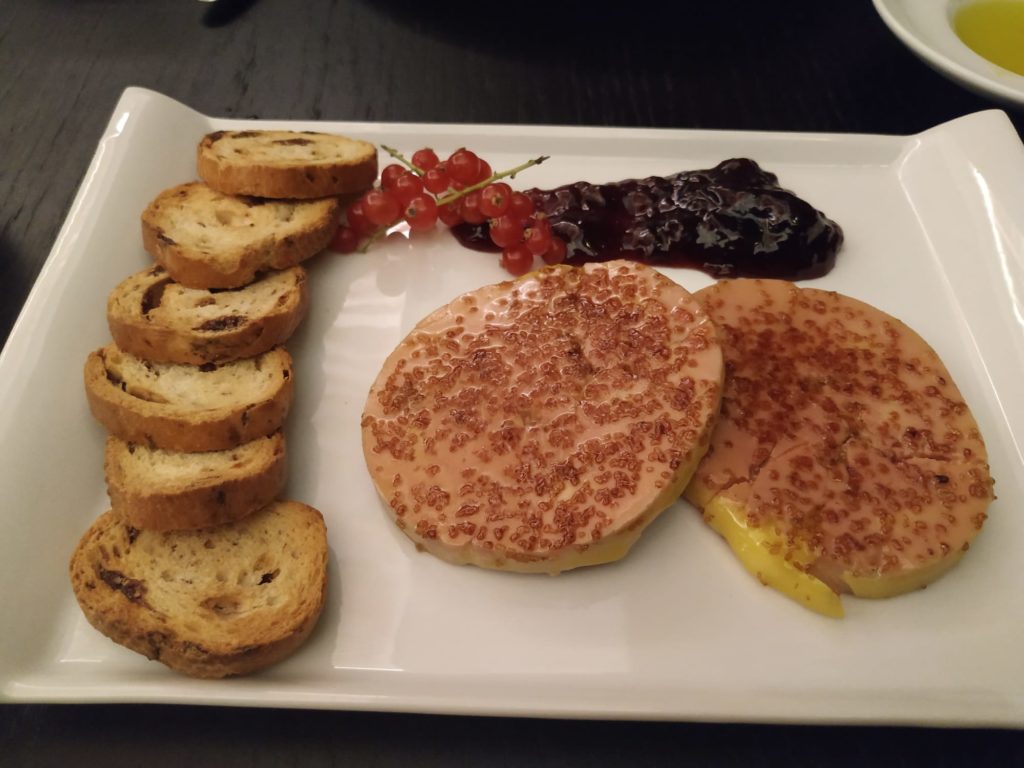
x: 509, y: 174
x: 401, y: 158
x: 372, y: 238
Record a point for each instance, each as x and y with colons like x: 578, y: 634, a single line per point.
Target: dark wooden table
x: 781, y: 66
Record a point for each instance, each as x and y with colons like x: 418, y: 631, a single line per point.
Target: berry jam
x: 733, y: 220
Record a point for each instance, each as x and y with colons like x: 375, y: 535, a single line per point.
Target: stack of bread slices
x: 198, y: 563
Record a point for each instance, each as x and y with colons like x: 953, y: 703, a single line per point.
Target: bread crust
x: 156, y: 319
x: 224, y: 163
x: 196, y: 499
x: 176, y: 222
x: 129, y: 410
x: 212, y: 619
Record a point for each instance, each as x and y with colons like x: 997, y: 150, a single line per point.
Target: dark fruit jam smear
x: 733, y: 220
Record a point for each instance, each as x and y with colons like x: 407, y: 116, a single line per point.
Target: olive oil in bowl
x: 994, y: 29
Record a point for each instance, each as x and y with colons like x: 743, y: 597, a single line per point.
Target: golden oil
x: 994, y: 29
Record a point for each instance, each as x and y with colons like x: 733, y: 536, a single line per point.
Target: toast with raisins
x: 181, y: 407
x: 206, y: 239
x: 153, y: 317
x: 286, y: 164
x: 169, y: 490
x: 209, y: 603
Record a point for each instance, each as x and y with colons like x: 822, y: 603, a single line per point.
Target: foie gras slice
x: 541, y: 424
x: 845, y: 458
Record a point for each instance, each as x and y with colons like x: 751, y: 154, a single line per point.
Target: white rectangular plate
x: 935, y: 235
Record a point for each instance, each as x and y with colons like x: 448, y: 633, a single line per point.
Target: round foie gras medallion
x: 540, y: 424
x: 845, y: 459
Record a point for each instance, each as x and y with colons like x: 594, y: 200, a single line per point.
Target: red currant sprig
x: 522, y: 233
x: 461, y: 188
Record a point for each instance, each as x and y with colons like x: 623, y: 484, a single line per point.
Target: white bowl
x: 926, y: 28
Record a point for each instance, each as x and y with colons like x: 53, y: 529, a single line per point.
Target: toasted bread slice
x: 845, y: 459
x: 286, y: 164
x: 541, y: 424
x: 221, y: 601
x: 155, y: 318
x: 181, y: 407
x: 162, y: 490
x: 206, y: 239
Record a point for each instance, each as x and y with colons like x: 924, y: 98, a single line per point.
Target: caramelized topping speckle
x: 550, y: 416
x: 842, y: 430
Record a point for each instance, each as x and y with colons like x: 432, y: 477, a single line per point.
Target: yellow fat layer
x: 753, y: 546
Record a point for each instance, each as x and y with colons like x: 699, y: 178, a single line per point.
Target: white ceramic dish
x: 925, y: 27
x: 935, y: 235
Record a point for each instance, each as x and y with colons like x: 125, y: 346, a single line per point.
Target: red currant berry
x: 345, y: 240
x: 517, y: 259
x: 421, y: 212
x: 506, y: 231
x: 471, y: 208
x: 390, y: 174
x: 494, y: 199
x: 520, y: 206
x: 555, y: 254
x: 407, y: 186
x: 356, y: 217
x: 485, y: 171
x: 436, y: 180
x: 464, y: 166
x: 450, y: 214
x: 382, y: 208
x: 538, y: 236
x: 424, y: 159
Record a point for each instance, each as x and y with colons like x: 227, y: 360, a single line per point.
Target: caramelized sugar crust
x: 540, y: 424
x: 843, y: 433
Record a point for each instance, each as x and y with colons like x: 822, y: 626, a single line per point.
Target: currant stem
x: 401, y: 158
x: 509, y: 174
x: 372, y: 238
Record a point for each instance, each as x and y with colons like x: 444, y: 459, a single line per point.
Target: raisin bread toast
x: 286, y: 164
x: 155, y: 318
x: 162, y: 490
x: 209, y: 603
x: 190, y: 408
x: 206, y: 239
